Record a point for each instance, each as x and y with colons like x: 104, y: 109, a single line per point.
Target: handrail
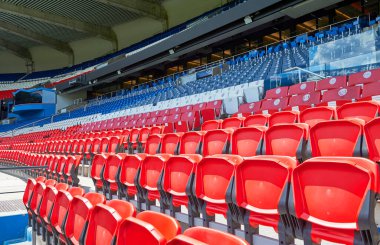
x: 299, y: 69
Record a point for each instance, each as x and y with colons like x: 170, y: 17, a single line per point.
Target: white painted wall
x: 64, y: 100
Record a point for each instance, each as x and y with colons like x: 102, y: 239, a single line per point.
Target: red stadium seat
x: 364, y: 77
x: 337, y: 138
x: 102, y: 225
x: 337, y: 97
x: 77, y: 217
x: 71, y: 170
x: 248, y: 141
x: 170, y: 143
x: 47, y: 202
x: 334, y: 200
x: 274, y: 105
x: 365, y: 110
x: 201, y: 236
x: 283, y: 117
x: 178, y: 181
x: 331, y: 83
x: 277, y: 93
x: 123, y: 208
x: 216, y: 142
x: 97, y: 168
x: 211, y: 125
x: 58, y: 214
x: 257, y: 176
x: 233, y: 122
x: 247, y: 109
x: 371, y: 91
x: 127, y: 173
x: 302, y: 88
x: 191, y: 143
x: 148, y: 228
x: 287, y: 140
x: 314, y: 115
x: 28, y: 193
x: 111, y: 168
x: 304, y: 101
x: 256, y: 120
x: 153, y: 144
x: 150, y: 179
x: 371, y: 131
x: 212, y: 185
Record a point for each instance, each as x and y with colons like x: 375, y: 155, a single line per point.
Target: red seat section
x: 365, y: 110
x: 202, y: 236
x: 212, y: 185
x: 331, y: 83
x: 372, y: 136
x: 148, y: 228
x: 256, y: 120
x: 364, y: 77
x: 371, y: 91
x: 274, y: 105
x: 337, y: 97
x: 257, y: 176
x: 314, y: 115
x: 304, y: 101
x: 153, y: 144
x: 287, y: 140
x: 248, y: 109
x: 284, y: 117
x: 248, y: 141
x: 337, y: 138
x: 331, y: 195
x: 302, y: 88
x: 277, y: 93
x: 110, y: 173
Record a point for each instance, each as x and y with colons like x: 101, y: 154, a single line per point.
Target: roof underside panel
x: 84, y: 10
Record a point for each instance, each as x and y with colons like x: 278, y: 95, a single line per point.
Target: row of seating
x: 72, y: 216
x: 237, y: 187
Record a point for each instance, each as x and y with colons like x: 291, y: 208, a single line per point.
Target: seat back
x: 283, y: 117
x: 331, y: 83
x: 256, y: 120
x: 287, y: 140
x: 153, y: 144
x: 97, y: 168
x: 372, y: 132
x: 233, y: 122
x: 320, y: 182
x: 130, y: 168
x: 364, y: 77
x: 60, y: 209
x: 248, y: 141
x: 124, y: 209
x: 170, y: 143
x: 312, y: 116
x: 110, y: 169
x: 168, y: 226
x: 365, y: 110
x: 302, y: 88
x: 178, y: 177
x: 191, y: 143
x: 102, y: 225
x: 277, y: 93
x: 48, y: 197
x: 337, y: 138
x: 257, y: 176
x: 212, y: 181
x: 216, y: 142
x: 211, y: 125
x: 95, y: 198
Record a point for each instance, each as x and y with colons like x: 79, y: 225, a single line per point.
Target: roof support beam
x: 72, y: 24
x: 17, y: 50
x: 37, y: 37
x: 151, y: 9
